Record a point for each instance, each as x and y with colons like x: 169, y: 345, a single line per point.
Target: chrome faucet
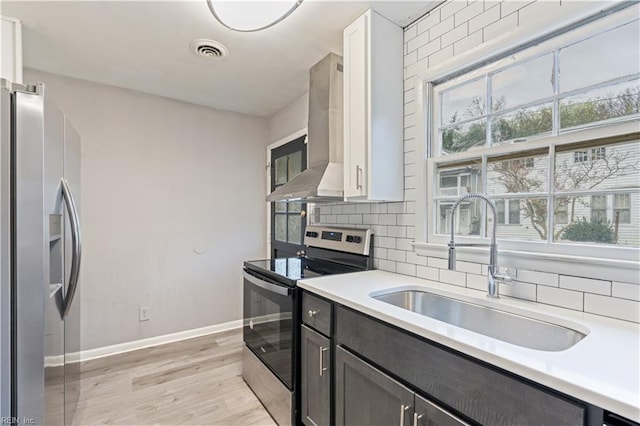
x: 493, y: 274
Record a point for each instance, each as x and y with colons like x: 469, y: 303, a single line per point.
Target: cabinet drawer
x: 480, y: 392
x: 316, y: 313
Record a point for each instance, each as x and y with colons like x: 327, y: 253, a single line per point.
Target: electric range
x: 272, y: 309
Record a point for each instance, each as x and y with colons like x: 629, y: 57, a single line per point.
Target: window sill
x: 593, y: 267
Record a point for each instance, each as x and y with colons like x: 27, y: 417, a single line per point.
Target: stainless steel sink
x: 515, y: 329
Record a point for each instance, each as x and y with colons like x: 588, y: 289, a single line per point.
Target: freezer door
x: 72, y: 318
x: 30, y: 253
x: 5, y: 254
x: 54, y: 263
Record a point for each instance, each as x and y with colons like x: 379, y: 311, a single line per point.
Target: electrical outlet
x: 144, y: 313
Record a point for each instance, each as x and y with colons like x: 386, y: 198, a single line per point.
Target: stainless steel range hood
x: 322, y: 180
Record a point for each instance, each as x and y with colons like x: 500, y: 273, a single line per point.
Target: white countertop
x: 602, y: 369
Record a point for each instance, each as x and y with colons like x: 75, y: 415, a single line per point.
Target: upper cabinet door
x: 373, y: 110
x: 356, y: 123
x: 11, y: 61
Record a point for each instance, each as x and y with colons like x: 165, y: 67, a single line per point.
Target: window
x: 622, y: 208
x: 593, y: 155
x: 287, y: 219
x: 598, y: 207
x: 513, y: 209
x: 551, y: 144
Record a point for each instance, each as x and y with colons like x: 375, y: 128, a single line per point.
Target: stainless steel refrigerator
x: 40, y: 250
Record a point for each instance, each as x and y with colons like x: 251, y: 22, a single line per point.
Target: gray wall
x: 172, y: 203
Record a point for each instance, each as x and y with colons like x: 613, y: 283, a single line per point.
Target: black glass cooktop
x: 296, y: 268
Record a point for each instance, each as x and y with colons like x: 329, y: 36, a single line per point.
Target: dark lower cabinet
x: 427, y: 413
x: 316, y: 378
x: 366, y: 396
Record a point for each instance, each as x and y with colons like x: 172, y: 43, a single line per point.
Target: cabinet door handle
x: 358, y: 172
x: 416, y: 418
x: 322, y: 367
x: 311, y: 313
x: 403, y: 410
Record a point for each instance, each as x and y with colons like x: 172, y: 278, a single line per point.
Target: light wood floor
x: 196, y: 381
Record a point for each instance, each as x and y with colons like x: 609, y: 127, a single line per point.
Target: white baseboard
x: 151, y: 341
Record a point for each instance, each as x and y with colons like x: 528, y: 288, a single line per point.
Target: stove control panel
x: 352, y: 240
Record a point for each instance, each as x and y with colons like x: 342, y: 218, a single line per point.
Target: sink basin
x: 515, y: 329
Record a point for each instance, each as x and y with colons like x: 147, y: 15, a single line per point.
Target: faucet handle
x: 506, y: 277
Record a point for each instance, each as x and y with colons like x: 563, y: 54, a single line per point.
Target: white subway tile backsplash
x: 623, y: 309
x: 329, y: 218
x: 428, y: 49
x: 487, y: 17
x: 428, y: 21
x: 440, y: 28
x: 406, y: 219
x: 411, y: 231
x: 409, y: 97
x: 454, y: 35
x: 412, y: 257
x: 498, y: 28
x: 385, y: 242
x: 560, y: 297
x: 325, y: 209
x: 379, y: 208
x: 508, y: 7
x: 416, y: 68
x: 379, y: 230
x: 387, y: 265
x: 626, y: 291
x: 370, y: 219
x: 453, y: 277
x: 436, y: 262
x: 538, y: 11
x: 409, y: 170
x: 519, y: 290
x: 397, y: 255
x: 472, y: 268
x: 336, y: 209
x: 397, y: 231
x: 409, y: 144
x: 410, y: 32
x: 387, y: 219
x: 355, y: 219
x: 586, y: 285
x: 342, y: 218
x: 380, y: 252
x: 441, y: 56
x: 363, y: 208
x: 479, y: 282
x: 542, y: 278
x: 404, y: 244
x: 420, y: 40
x: 410, y: 58
x: 469, y: 42
x: 451, y: 7
x: 348, y: 208
x: 406, y: 269
x: 428, y: 273
x: 472, y: 10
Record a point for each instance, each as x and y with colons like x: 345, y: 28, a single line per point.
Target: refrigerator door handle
x: 76, y: 242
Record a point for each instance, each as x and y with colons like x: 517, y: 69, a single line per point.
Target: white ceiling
x: 144, y: 46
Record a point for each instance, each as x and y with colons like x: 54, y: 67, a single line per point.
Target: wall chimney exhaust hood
x: 322, y: 181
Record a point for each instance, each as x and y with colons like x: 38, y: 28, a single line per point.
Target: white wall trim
x: 271, y: 146
x: 151, y: 341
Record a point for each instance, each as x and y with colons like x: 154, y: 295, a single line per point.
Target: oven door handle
x: 274, y: 288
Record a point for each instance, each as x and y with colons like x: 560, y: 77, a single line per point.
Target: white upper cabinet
x: 11, y: 40
x: 373, y: 110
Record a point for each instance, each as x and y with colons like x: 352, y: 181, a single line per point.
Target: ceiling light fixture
x: 249, y: 16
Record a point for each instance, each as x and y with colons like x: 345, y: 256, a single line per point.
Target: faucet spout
x: 493, y: 275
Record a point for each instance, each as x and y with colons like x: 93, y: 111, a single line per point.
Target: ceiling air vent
x: 209, y: 49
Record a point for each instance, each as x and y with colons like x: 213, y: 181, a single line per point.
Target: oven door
x: 269, y: 324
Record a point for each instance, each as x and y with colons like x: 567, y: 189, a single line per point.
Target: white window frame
x: 532, y: 254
